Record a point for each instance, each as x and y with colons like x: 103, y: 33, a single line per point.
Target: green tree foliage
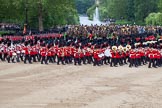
x: 154, y: 19
x: 143, y: 8
x: 117, y: 8
x: 41, y: 13
x: 91, y: 11
x: 131, y: 10
x: 11, y: 10
x: 102, y: 8
x: 83, y: 5
x: 160, y: 5
x: 111, y: 8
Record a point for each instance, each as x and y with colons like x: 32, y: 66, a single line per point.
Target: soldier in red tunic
x: 33, y: 53
x: 82, y: 55
x: 9, y: 56
x: 121, y: 55
x: 142, y: 53
x: 71, y: 54
x: 67, y: 54
x: 18, y: 49
x: 151, y: 56
x: 132, y: 58
x: 53, y: 54
x: 60, y: 55
x: 43, y: 52
x: 125, y: 55
x: 49, y: 55
x: 96, y: 56
x: 77, y: 52
x: 158, y: 58
x: 88, y: 54
x: 1, y: 51
x: 27, y: 56
x: 5, y: 52
x: 114, y: 54
x: 138, y: 58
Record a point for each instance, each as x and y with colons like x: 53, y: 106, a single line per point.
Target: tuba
x: 128, y: 47
x: 125, y: 49
x: 120, y: 48
x: 114, y: 48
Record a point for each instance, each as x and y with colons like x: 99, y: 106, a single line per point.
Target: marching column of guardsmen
x: 79, y: 53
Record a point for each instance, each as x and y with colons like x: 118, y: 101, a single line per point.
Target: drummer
x: 96, y: 56
x: 14, y: 56
x: 101, y: 56
x: 11, y: 55
x: 108, y: 55
x: 18, y: 49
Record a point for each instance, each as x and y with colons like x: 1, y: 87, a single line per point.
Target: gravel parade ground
x: 53, y: 86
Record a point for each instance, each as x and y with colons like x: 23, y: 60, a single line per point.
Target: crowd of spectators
x: 9, y: 26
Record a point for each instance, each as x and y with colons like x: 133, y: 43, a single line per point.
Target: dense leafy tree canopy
x: 48, y: 13
x: 83, y: 5
x: 131, y: 10
x: 41, y: 13
x: 154, y: 19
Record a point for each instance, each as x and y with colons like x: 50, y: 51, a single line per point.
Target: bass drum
x: 23, y: 51
x: 101, y: 55
x: 14, y: 54
x: 18, y: 52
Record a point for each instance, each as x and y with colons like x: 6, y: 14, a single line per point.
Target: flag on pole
x: 25, y: 29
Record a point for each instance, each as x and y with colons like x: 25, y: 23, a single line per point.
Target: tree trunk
x: 40, y: 16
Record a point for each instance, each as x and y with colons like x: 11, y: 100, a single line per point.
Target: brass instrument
x: 89, y: 50
x: 79, y: 50
x: 84, y: 51
x: 114, y: 48
x: 128, y: 47
x: 125, y: 49
x: 120, y: 48
x: 136, y: 44
x: 144, y: 43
